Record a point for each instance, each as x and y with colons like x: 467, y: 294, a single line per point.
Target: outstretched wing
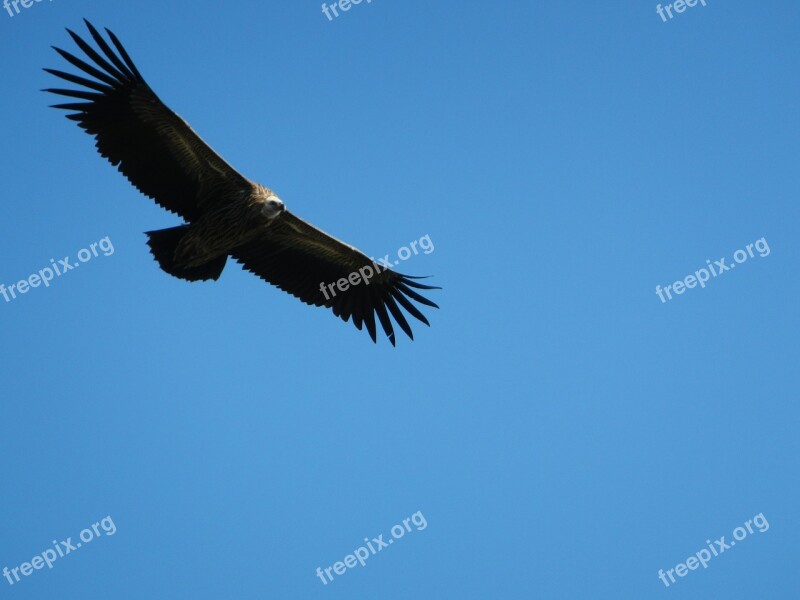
x: 308, y: 263
x: 152, y: 146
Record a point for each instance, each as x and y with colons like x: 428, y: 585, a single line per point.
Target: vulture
x: 224, y: 213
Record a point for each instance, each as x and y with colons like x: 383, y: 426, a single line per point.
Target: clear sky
x: 560, y: 430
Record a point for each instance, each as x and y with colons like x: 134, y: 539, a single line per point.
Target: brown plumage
x: 225, y: 213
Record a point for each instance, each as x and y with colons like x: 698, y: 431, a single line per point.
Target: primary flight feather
x: 225, y: 213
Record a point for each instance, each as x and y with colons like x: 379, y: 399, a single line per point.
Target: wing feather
x: 136, y: 132
x: 302, y: 260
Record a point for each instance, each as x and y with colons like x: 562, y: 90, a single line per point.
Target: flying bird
x: 224, y: 213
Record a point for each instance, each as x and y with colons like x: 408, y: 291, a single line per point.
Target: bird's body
x: 225, y: 213
x: 243, y: 217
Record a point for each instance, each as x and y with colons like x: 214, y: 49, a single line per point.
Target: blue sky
x: 563, y: 432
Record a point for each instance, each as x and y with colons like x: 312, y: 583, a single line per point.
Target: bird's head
x: 272, y: 207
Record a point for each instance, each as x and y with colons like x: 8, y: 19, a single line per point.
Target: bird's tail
x: 163, y: 244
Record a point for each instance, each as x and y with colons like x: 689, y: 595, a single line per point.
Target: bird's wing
x: 300, y: 259
x: 151, y: 145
